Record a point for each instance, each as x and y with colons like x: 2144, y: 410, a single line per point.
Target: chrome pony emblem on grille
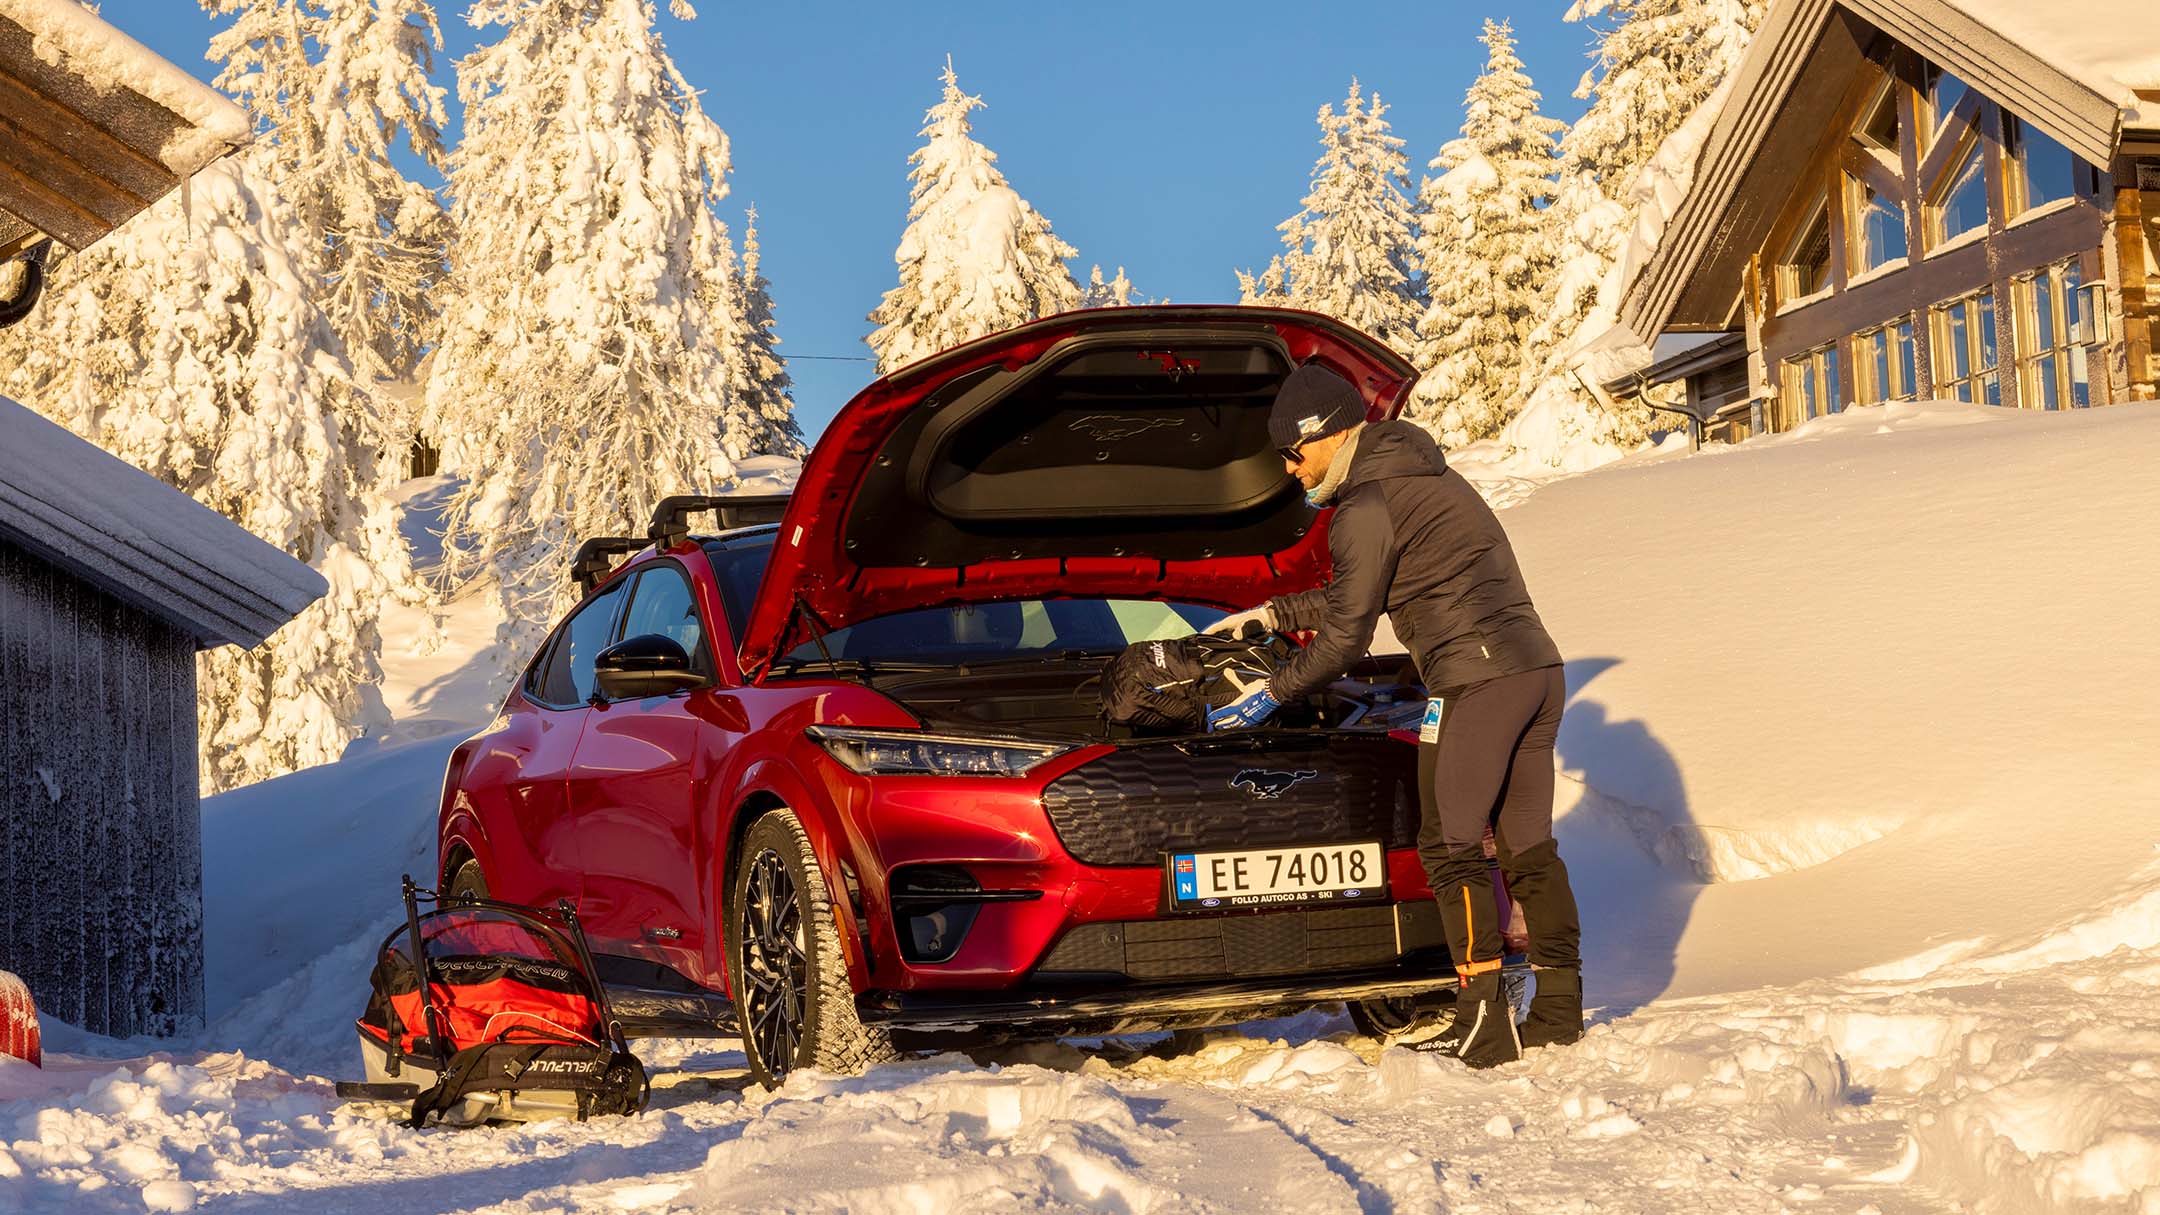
x: 1268, y: 785
x: 1110, y: 427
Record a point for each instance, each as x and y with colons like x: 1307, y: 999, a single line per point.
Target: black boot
x: 1483, y: 1034
x: 1555, y: 1011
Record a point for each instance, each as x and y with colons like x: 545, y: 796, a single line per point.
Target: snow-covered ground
x: 1859, y: 794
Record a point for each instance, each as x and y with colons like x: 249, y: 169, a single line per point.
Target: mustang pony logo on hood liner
x: 1109, y: 428
x: 1268, y: 785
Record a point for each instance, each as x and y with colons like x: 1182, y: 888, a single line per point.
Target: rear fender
x: 766, y: 785
x: 457, y: 825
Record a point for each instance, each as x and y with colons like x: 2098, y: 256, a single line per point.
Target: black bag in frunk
x: 484, y: 1011
x: 1168, y: 686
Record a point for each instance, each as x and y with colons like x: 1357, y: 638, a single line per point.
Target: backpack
x: 480, y: 1011
x: 1168, y: 686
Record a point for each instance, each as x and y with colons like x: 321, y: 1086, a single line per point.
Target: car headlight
x: 912, y: 752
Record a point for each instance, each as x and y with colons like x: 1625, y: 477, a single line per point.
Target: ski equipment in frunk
x: 484, y: 1011
x: 1169, y: 685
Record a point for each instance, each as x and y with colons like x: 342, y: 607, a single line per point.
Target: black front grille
x: 1271, y: 943
x: 1145, y: 799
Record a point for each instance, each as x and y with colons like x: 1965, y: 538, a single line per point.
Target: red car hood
x: 1115, y: 452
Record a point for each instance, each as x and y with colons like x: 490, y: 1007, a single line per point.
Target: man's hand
x: 1245, y: 712
x: 1234, y: 624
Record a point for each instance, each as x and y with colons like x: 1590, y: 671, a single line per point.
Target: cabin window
x: 1880, y: 127
x: 1958, y: 203
x: 2036, y: 169
x: 1876, y: 224
x: 2050, y: 364
x: 1884, y: 364
x: 1964, y: 340
x: 1805, y: 269
x: 1943, y: 93
x: 1810, y: 382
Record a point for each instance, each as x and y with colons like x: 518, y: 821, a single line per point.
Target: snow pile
x: 2112, y: 47
x: 1858, y: 797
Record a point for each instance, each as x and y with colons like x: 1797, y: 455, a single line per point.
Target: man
x: 1413, y: 539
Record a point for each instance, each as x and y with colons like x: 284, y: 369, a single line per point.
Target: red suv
x: 846, y: 776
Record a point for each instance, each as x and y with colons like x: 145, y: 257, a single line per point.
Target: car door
x: 641, y: 771
x: 545, y: 867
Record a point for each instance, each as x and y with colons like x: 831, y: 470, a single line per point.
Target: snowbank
x: 1858, y: 795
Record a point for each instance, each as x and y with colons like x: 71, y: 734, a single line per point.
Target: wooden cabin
x: 110, y: 580
x: 1926, y: 199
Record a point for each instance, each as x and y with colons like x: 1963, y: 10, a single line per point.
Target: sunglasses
x: 1292, y: 455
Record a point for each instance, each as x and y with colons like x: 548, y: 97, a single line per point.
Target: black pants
x: 1492, y: 765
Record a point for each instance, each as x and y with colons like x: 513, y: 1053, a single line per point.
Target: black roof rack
x: 671, y: 519
x: 595, y: 559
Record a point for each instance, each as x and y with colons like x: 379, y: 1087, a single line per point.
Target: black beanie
x: 1313, y: 403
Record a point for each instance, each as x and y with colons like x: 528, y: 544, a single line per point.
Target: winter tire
x: 790, y: 977
x: 465, y: 883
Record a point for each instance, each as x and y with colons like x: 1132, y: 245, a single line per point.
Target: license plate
x: 1255, y: 877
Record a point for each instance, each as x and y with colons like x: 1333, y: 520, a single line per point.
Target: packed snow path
x: 1827, y: 1097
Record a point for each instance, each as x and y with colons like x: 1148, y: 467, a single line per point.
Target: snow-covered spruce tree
x: 1656, y: 63
x: 1349, y: 252
x: 581, y: 371
x: 190, y: 343
x: 761, y: 417
x: 976, y: 258
x: 1116, y: 293
x: 335, y: 85
x: 1482, y: 231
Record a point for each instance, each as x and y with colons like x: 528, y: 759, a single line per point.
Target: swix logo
x: 1267, y: 784
x: 1155, y: 651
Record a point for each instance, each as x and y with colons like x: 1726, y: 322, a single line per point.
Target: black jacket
x: 1412, y: 538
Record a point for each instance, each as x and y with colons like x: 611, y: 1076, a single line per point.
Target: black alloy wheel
x: 786, y: 961
x: 775, y: 965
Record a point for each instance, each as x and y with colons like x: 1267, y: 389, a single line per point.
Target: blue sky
x: 1170, y: 138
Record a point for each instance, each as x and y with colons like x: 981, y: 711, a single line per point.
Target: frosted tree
x: 581, y: 372
x: 1483, y: 233
x: 975, y: 258
x: 1656, y: 63
x: 1116, y: 293
x: 761, y: 417
x: 1349, y: 252
x: 336, y: 85
x: 191, y: 343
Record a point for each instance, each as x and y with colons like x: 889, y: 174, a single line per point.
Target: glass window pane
x: 1881, y: 126
x: 570, y: 672
x: 2044, y: 382
x: 1960, y: 203
x: 1810, y: 262
x: 1991, y: 389
x: 1985, y: 306
x: 1878, y: 226
x: 1833, y: 391
x: 662, y: 604
x: 1944, y: 91
x: 1956, y: 344
x: 1878, y: 352
x: 2043, y: 311
x: 1908, y: 378
x: 2043, y: 169
x: 2080, y: 389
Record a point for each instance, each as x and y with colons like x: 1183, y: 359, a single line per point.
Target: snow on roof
x: 2110, y: 46
x: 115, y: 126
x: 136, y: 537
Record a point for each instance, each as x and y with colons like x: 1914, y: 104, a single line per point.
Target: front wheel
x: 792, y: 993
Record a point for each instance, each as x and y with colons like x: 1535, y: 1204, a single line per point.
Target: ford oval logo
x: 1268, y: 784
x: 1211, y: 902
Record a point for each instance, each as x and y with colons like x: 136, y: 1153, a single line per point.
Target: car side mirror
x: 651, y: 664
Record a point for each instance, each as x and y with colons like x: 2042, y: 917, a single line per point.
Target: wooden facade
x: 1899, y: 202
x: 100, y: 837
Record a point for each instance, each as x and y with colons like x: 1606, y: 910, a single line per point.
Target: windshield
x: 1017, y: 629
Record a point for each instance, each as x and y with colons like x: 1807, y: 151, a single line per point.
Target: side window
x: 739, y: 570
x: 662, y: 604
x: 565, y: 676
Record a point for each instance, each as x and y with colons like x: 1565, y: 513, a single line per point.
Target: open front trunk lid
x: 1117, y: 452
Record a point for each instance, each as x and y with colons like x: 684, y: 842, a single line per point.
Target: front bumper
x: 1032, y: 1011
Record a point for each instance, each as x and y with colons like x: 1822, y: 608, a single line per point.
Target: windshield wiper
x: 885, y: 666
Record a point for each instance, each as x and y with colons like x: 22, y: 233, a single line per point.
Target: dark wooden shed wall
x: 100, y: 831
